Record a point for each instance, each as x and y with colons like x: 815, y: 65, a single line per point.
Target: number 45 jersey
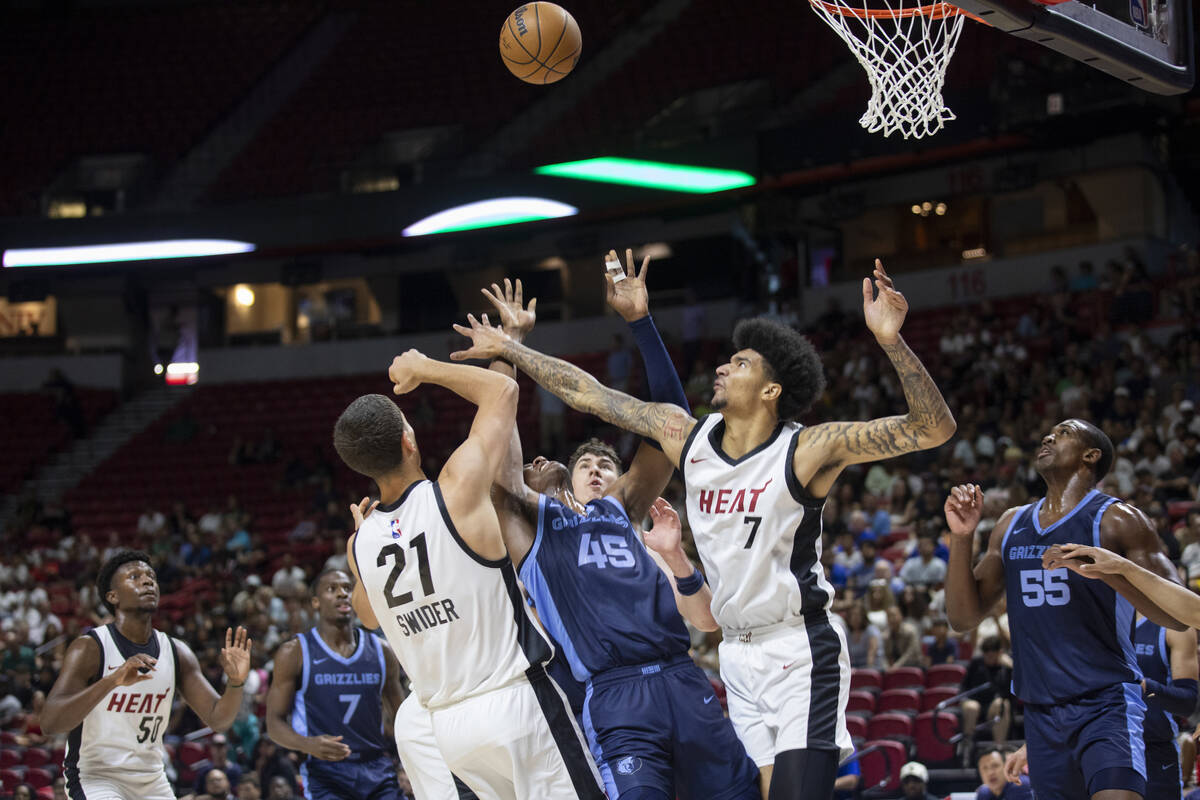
x: 1070, y: 635
x: 456, y: 621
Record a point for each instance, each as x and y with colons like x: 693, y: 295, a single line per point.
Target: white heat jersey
x: 757, y: 530
x: 121, y: 737
x: 457, y: 621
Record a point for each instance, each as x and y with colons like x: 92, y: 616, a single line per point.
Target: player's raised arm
x: 281, y: 698
x: 72, y: 698
x: 667, y: 424
x: 1149, y: 592
x: 972, y: 593
x: 216, y: 711
x: 831, y: 446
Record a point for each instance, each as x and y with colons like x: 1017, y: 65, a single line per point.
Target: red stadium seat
x: 881, y: 768
x: 9, y: 778
x: 191, y: 752
x: 7, y: 739
x: 966, y: 649
x: 37, y: 778
x: 890, y: 726
x: 933, y: 731
x: 945, y: 675
x: 59, y: 754
x: 857, y: 726
x: 907, y: 701
x: 861, y: 702
x: 9, y: 758
x: 931, y: 697
x: 36, y: 757
x: 904, y: 677
x: 866, y: 679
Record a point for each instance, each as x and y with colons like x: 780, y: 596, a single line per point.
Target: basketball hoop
x: 905, y: 48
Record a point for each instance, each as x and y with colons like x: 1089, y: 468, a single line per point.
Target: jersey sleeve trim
x: 1100, y: 516
x: 799, y: 493
x: 687, y: 447
x: 530, y: 557
x: 441, y: 504
x: 100, y: 667
x: 174, y: 658
x: 303, y: 663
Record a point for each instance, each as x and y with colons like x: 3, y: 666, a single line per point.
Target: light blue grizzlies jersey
x: 341, y: 696
x: 1070, y: 635
x: 598, y: 591
x: 1154, y: 659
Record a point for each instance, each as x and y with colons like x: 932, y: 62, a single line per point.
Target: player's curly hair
x: 369, y: 436
x: 594, y: 447
x: 790, y: 359
x: 114, y: 563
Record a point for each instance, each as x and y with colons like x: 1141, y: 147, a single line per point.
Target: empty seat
x: 945, y: 675
x: 866, y: 679
x: 904, y: 700
x: 931, y: 697
x: 933, y: 731
x: 881, y: 767
x: 904, y: 677
x: 890, y: 726
x: 861, y: 702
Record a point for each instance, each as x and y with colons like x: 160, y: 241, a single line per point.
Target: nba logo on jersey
x: 629, y: 765
x: 1137, y: 12
x: 395, y: 526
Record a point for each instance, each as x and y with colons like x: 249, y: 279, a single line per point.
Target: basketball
x: 540, y: 42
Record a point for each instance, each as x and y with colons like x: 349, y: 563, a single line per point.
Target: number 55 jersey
x: 1070, y: 635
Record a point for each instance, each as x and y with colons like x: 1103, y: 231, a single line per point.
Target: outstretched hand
x: 486, y: 341
x: 1090, y: 562
x: 235, y: 655
x: 963, y: 509
x: 515, y: 318
x: 886, y: 310
x: 627, y: 295
x: 361, y: 510
x: 666, y: 534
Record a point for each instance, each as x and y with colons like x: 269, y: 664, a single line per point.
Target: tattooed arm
x: 829, y: 447
x: 667, y: 424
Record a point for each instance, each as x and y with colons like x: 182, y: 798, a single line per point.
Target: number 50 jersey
x: 457, y: 622
x: 1070, y: 635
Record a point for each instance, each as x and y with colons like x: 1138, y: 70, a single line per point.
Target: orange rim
x: 933, y: 11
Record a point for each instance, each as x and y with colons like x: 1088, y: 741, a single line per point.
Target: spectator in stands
x: 862, y: 639
x: 901, y: 641
x: 913, y: 778
x: 849, y: 778
x: 218, y: 755
x: 995, y: 784
x: 902, y: 506
x: 995, y: 624
x: 215, y: 786
x: 925, y: 569
x: 248, y: 787
x: 289, y: 580
x: 942, y: 649
x: 860, y: 577
x: 990, y: 674
x: 282, y: 789
x: 24, y: 791
x: 151, y: 523
x: 272, y: 763
x: 879, y: 596
x: 60, y: 788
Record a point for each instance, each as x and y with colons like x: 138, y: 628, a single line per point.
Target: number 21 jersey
x: 1070, y: 635
x: 457, y: 622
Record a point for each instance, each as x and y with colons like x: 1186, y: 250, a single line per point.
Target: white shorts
x: 419, y: 754
x: 518, y: 742
x: 787, y: 687
x: 113, y: 787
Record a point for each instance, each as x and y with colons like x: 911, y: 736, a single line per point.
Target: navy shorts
x: 336, y: 780
x: 1088, y: 744
x: 660, y: 725
x: 1162, y: 770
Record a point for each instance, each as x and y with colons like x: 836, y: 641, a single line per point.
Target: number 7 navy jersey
x: 340, y: 696
x: 598, y: 591
x: 1070, y: 635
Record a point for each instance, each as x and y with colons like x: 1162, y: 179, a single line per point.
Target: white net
x: 904, y: 48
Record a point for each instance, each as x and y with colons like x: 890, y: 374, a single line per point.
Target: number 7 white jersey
x: 757, y: 530
x: 456, y: 621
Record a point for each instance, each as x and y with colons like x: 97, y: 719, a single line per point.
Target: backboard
x: 1147, y: 43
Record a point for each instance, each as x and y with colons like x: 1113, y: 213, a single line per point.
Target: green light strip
x: 651, y: 174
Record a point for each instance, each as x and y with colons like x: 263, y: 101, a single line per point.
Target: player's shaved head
x: 369, y: 436
x: 790, y: 360
x: 1093, y: 437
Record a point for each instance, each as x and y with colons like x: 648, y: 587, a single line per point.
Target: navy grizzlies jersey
x: 598, y: 591
x: 342, y: 696
x: 1154, y: 659
x: 1070, y: 635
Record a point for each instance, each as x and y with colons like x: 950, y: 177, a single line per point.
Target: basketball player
x: 1073, y: 659
x: 328, y: 696
x: 756, y: 482
x: 433, y: 573
x: 116, y: 687
x: 612, y: 596
x: 1168, y: 663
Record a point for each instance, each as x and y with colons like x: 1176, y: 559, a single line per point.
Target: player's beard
x: 719, y: 404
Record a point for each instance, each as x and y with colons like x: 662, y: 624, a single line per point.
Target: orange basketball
x: 540, y: 42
